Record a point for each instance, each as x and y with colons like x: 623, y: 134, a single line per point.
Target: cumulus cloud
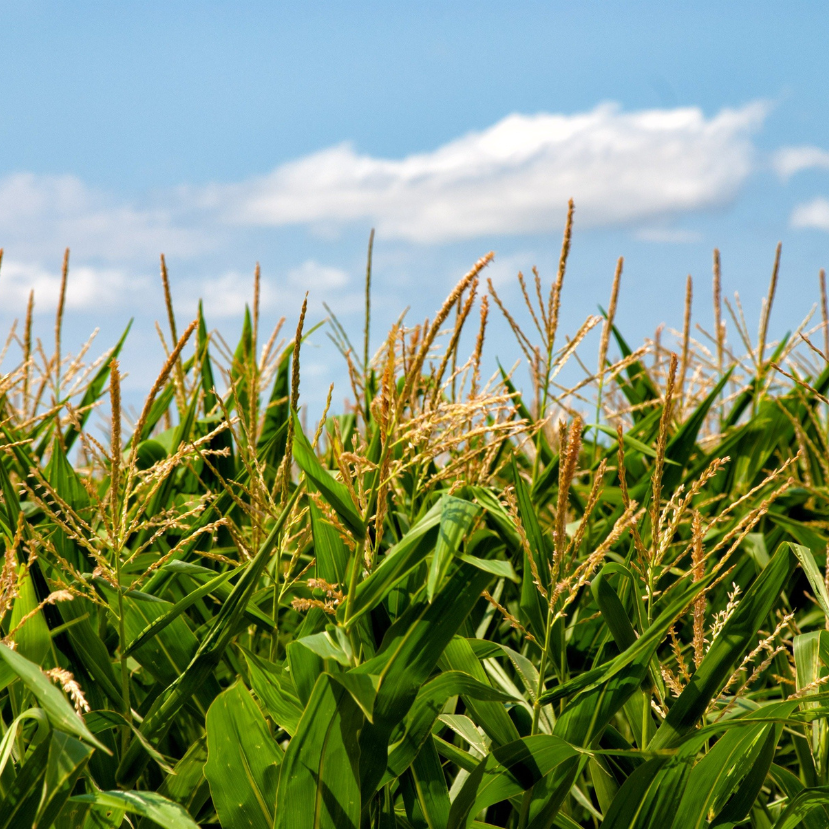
x: 641, y: 169
x: 311, y: 276
x: 87, y: 287
x: 50, y: 212
x: 225, y: 296
x: 791, y: 160
x: 514, y: 177
x: 812, y: 214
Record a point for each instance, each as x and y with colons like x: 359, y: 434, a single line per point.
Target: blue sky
x: 226, y: 133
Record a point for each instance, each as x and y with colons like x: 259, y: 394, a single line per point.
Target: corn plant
x: 462, y: 601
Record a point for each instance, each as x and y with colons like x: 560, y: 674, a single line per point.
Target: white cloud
x: 226, y: 295
x: 668, y: 235
x: 311, y: 276
x: 40, y: 213
x: 791, y: 160
x: 514, y: 177
x: 812, y: 214
x: 87, y: 287
x: 638, y: 168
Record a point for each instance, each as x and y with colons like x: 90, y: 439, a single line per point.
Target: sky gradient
x: 228, y: 133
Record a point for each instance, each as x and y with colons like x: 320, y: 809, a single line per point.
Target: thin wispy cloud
x: 813, y: 214
x: 791, y: 160
x: 49, y: 212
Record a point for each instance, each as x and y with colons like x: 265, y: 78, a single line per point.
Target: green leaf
x: 326, y: 647
x: 66, y: 761
x: 187, y: 785
x: 630, y: 442
x: 276, y: 691
x: 490, y: 715
x: 210, y: 651
x: 19, y: 808
x: 720, y: 771
x: 629, y: 802
x: 319, y: 784
x: 429, y: 703
x: 506, y: 772
x: 7, y: 743
x: 456, y: 517
x: 496, y: 567
x: 813, y: 574
x: 162, y: 811
x: 160, y: 622
x: 430, y: 785
x: 802, y: 806
x: 242, y: 762
x: 166, y: 655
x: 85, y: 642
x: 336, y: 494
x: 94, y: 391
x: 410, y: 551
x: 729, y: 646
x: 424, y: 632
x: 329, y: 548
x: 98, y: 721
x: 60, y: 713
x: 33, y: 639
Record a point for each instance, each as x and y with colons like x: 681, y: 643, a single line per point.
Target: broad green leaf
x: 539, y: 549
x: 99, y: 721
x: 7, y: 743
x: 430, y: 785
x: 60, y: 713
x: 496, y: 567
x: 426, y: 630
x: 19, y: 807
x: 813, y: 574
x: 167, y: 654
x: 274, y: 433
x: 467, y: 730
x: 32, y: 639
x: 161, y: 622
x: 66, y: 761
x: 210, y: 651
x: 506, y: 772
x: 276, y: 691
x: 729, y: 646
x: 429, y: 702
x: 491, y: 716
x: 187, y: 785
x: 334, y: 492
x: 791, y: 786
x: 410, y: 551
x: 629, y: 441
x: 242, y: 760
x: 162, y: 811
x: 801, y: 806
x: 719, y: 772
x: 329, y: 548
x: 86, y: 644
x: 326, y: 646
x: 627, y: 806
x: 319, y: 781
x: 456, y: 517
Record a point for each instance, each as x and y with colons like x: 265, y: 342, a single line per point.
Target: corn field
x: 465, y: 600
